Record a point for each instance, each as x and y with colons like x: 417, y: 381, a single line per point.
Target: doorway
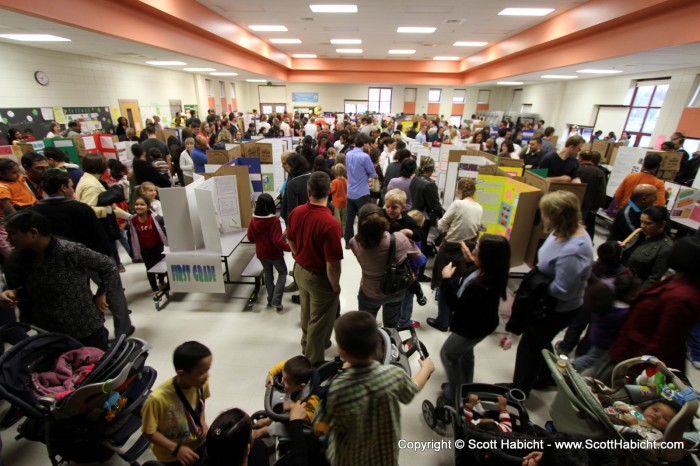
x: 130, y: 109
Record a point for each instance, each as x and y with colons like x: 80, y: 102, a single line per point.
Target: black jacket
x: 145, y: 171
x: 74, y: 221
x: 405, y: 222
x: 475, y: 312
x: 425, y: 197
x: 295, y: 194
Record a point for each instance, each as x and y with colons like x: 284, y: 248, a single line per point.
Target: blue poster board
x: 311, y: 97
x: 254, y: 171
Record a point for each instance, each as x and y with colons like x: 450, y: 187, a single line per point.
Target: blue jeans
x: 391, y: 307
x: 593, y: 356
x: 274, y: 290
x: 444, y: 316
x: 406, y: 309
x: 354, y: 206
x: 694, y: 342
x: 457, y: 355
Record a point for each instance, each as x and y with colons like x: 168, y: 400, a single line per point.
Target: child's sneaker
x: 414, y: 324
x: 279, y: 308
x: 157, y: 295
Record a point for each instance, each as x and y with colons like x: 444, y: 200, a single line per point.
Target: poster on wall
x: 310, y: 97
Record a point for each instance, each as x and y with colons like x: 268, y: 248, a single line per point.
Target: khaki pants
x: 319, y: 304
x: 340, y: 213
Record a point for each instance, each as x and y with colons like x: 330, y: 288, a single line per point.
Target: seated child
x: 301, y: 383
x: 474, y: 413
x: 14, y: 195
x: 648, y: 424
x: 173, y: 415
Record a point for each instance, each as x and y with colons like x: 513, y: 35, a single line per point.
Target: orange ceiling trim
x: 623, y: 36
x: 375, y: 77
x: 372, y: 66
x: 137, y: 22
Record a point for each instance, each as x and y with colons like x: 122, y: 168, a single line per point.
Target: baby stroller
x: 576, y: 410
x: 392, y: 348
x: 91, y: 423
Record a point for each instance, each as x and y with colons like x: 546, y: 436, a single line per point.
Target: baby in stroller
x: 649, y: 423
x: 476, y: 414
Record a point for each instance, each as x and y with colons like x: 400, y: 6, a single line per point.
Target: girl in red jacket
x: 265, y: 231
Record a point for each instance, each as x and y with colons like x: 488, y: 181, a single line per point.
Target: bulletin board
x: 93, y: 118
x: 37, y: 119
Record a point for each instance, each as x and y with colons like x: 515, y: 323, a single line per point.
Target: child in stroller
x: 95, y: 418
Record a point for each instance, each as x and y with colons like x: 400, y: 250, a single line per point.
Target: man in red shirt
x: 314, y: 237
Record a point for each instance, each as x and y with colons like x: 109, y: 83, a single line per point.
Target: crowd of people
x: 638, y: 297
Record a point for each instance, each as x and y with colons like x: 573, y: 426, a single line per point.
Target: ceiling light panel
x: 285, y: 41
x: 469, y: 44
x: 415, y: 30
x: 304, y: 55
x: 256, y: 80
x: 445, y: 58
x: 268, y: 28
x: 34, y: 37
x: 401, y: 52
x: 166, y: 63
x: 346, y: 41
x: 333, y: 8
x: 348, y: 50
x: 199, y: 69
x: 509, y: 83
x: 526, y: 11
x: 224, y: 73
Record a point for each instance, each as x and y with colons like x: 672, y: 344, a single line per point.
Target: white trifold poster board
x: 276, y: 170
x: 467, y: 167
x: 628, y: 160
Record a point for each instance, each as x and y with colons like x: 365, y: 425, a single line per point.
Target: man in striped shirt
x: 362, y: 406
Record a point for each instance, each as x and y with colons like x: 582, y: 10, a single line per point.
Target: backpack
x: 532, y: 302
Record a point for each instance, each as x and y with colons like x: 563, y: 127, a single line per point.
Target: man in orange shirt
x: 646, y: 176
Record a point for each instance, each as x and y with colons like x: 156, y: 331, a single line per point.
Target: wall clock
x: 42, y: 78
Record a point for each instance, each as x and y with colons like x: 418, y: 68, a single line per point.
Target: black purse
x: 113, y: 195
x: 398, y: 276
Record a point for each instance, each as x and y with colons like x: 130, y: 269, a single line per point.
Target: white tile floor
x: 246, y: 344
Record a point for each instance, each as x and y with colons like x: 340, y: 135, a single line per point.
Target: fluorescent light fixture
x: 592, y: 71
x: 509, y: 83
x: 346, y: 41
x: 401, y: 52
x: 166, y: 63
x: 199, y: 69
x: 348, y: 50
x: 285, y: 41
x: 268, y: 28
x: 558, y: 76
x: 469, y: 44
x: 333, y: 8
x: 415, y: 30
x: 256, y: 80
x: 224, y: 73
x: 304, y: 55
x: 445, y: 58
x: 34, y: 37
x: 526, y: 11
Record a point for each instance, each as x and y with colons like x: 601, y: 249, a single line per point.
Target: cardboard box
x: 264, y: 152
x: 222, y: 157
x: 164, y: 134
x: 670, y: 164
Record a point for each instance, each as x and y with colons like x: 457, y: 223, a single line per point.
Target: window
x: 647, y: 98
x: 222, y: 89
x: 484, y: 96
x: 379, y: 99
x: 459, y: 96
x: 233, y: 90
x: 210, y: 91
x: 356, y: 106
x: 434, y: 95
x: 456, y: 120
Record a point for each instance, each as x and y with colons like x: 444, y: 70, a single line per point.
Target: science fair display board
x: 218, y: 209
x: 686, y: 209
x: 630, y: 160
x: 509, y: 205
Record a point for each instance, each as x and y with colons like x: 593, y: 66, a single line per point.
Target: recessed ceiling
x: 375, y: 23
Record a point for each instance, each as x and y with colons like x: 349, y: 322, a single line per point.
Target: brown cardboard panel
x: 264, y: 152
x: 523, y: 226
x: 508, y: 162
x: 456, y: 155
x: 548, y: 186
x: 603, y: 148
x: 553, y: 139
x: 217, y: 157
x: 249, y: 149
x: 25, y: 148
x: 80, y: 146
x: 612, y: 155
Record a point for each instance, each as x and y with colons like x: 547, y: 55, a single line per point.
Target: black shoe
x: 424, y: 278
x: 433, y: 323
x: 296, y: 299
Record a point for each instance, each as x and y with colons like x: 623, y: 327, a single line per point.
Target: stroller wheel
x: 422, y: 301
x: 442, y: 413
x: 429, y: 414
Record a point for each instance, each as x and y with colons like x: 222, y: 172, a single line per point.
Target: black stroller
x: 93, y: 422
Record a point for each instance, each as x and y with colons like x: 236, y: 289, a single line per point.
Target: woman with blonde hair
x: 222, y: 139
x: 566, y: 257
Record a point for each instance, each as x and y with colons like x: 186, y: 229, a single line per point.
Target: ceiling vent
x: 306, y: 20
x: 454, y: 22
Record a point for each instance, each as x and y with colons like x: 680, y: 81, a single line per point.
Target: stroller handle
x: 619, y: 374
x: 414, y: 343
x: 269, y: 411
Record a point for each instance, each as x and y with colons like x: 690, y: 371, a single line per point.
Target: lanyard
x: 193, y: 415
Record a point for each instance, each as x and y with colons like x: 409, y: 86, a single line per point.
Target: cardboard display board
x: 32, y: 146
x: 630, y: 160
x: 687, y: 205
x: 11, y: 152
x: 509, y: 211
x: 195, y: 272
x: 222, y: 157
x: 184, y: 232
x: 74, y: 147
x: 242, y: 187
x: 461, y: 164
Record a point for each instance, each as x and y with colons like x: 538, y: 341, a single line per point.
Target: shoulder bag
x: 398, y: 276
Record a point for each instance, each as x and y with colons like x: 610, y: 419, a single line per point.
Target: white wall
x: 77, y: 81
